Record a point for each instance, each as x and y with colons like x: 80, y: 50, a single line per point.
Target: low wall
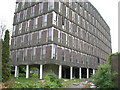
x: 115, y: 66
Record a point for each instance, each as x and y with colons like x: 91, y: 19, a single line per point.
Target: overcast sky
x: 107, y: 8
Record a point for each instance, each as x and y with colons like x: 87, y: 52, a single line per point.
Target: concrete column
x: 60, y: 71
x: 41, y: 71
x: 16, y: 71
x: 71, y: 72
x: 93, y: 71
x: 27, y: 71
x: 80, y: 73
x: 87, y: 72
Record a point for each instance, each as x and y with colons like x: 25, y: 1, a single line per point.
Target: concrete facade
x: 67, y: 35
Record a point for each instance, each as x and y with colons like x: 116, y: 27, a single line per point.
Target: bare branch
x: 2, y: 29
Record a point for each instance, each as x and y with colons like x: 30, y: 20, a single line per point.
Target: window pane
x: 40, y: 7
x: 50, y: 5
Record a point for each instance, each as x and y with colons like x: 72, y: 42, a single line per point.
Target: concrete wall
x: 115, y: 66
x: 50, y: 68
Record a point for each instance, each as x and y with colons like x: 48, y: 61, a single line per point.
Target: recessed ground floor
x: 61, y: 71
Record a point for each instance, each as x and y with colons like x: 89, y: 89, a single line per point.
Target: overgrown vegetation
x: 5, y: 57
x: 104, y: 77
x: 109, y: 57
x: 50, y: 81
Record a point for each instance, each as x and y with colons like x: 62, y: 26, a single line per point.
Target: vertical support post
x: 71, y: 72
x: 80, y: 73
x: 27, y: 71
x: 93, y: 71
x: 87, y: 72
x: 16, y: 71
x: 41, y: 71
x: 60, y: 71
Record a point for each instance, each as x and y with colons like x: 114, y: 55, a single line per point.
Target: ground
x: 35, y: 82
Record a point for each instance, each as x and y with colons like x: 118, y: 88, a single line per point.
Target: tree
x: 103, y: 78
x: 2, y: 29
x: 5, y: 57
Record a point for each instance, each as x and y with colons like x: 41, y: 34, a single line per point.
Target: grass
x: 22, y: 82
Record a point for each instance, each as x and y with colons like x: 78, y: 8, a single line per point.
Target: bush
x: 22, y: 75
x: 33, y: 75
x: 103, y: 78
x: 52, y: 81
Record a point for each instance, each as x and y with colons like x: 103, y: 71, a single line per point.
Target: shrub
x: 33, y: 75
x: 103, y: 78
x: 22, y: 75
x: 52, y: 81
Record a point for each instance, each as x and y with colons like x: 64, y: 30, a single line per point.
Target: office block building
x: 70, y: 39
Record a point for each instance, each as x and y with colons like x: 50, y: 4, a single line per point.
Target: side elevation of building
x: 68, y: 38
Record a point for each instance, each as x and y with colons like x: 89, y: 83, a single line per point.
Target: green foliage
x: 52, y: 81
x: 5, y: 57
x: 33, y: 75
x: 109, y: 57
x: 22, y: 74
x: 103, y: 78
x: 27, y: 85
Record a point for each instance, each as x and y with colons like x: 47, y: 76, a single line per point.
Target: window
x: 54, y: 47
x: 15, y: 41
x: 75, y: 6
x: 39, y: 36
x: 18, y: 17
x: 59, y: 36
x: 22, y: 41
x: 85, y: 13
x: 73, y: 16
x: 55, y: 18
x: 50, y: 34
x: 33, y: 53
x: 63, y: 54
x: 78, y: 19
x: 25, y: 54
x: 18, y: 55
x: 83, y: 23
x: 77, y: 60
x: 76, y: 31
x: 27, y: 25
x: 25, y: 13
x: 70, y: 53
x: 63, y: 22
x: 30, y: 2
x: 60, y: 7
x: 81, y: 10
x: 44, y: 20
x: 70, y: 27
x: 67, y: 36
x: 50, y: 5
x: 35, y: 22
x: 14, y: 28
x: 16, y: 8
x: 40, y: 7
x: 30, y: 39
x: 32, y: 10
x: 67, y: 12
x: 98, y: 60
x: 20, y: 28
x: 23, y: 4
x: 43, y: 52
